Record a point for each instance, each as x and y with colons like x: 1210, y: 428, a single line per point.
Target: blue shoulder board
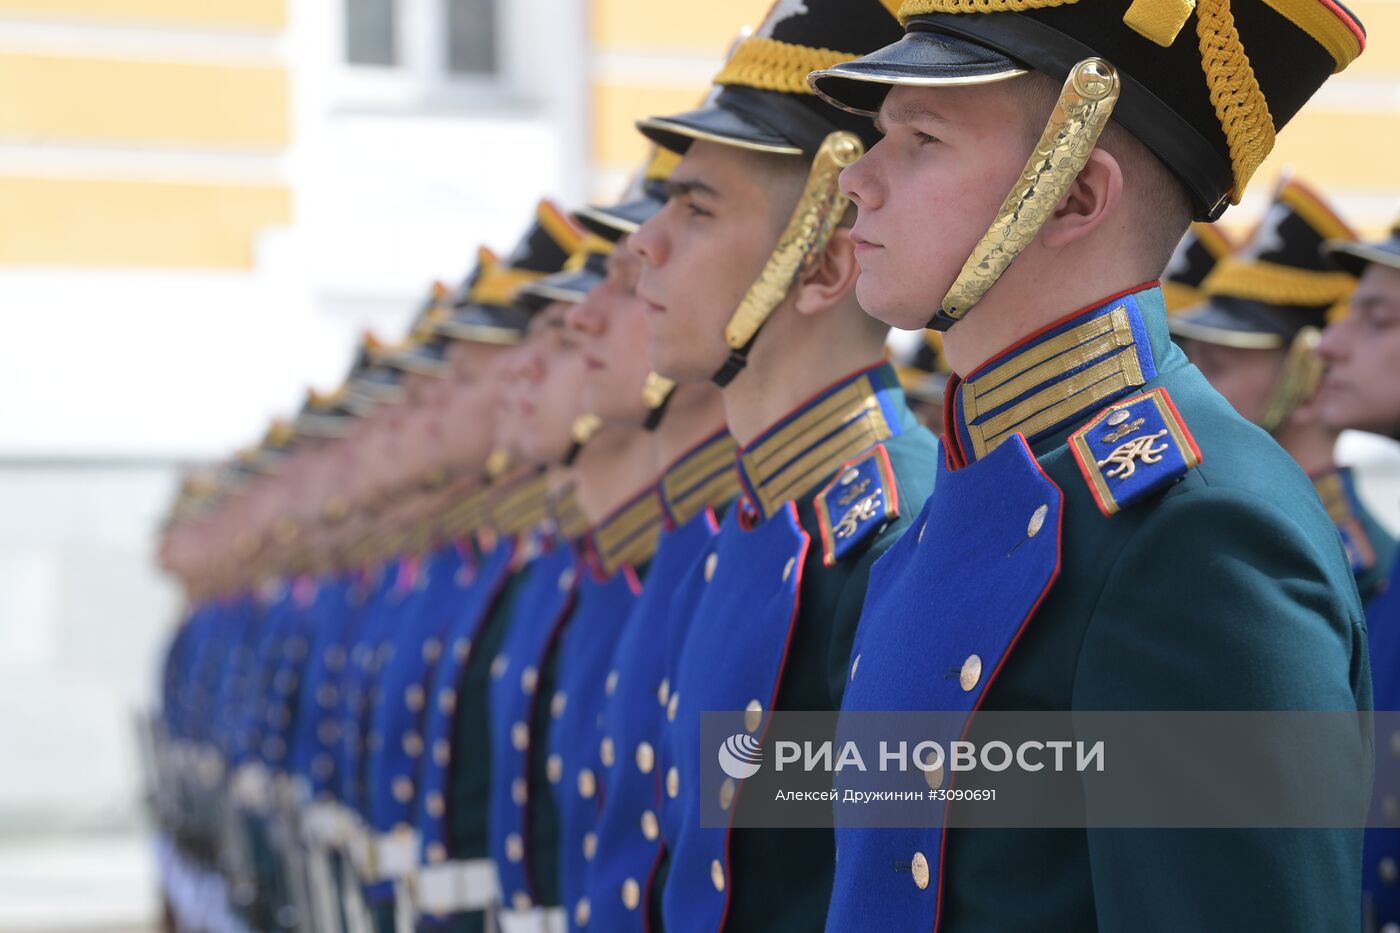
x: 1133, y: 449
x: 860, y: 501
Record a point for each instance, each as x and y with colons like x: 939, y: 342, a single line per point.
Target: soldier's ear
x: 831, y: 276
x: 1092, y: 202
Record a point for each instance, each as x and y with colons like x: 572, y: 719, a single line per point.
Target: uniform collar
x: 1056, y: 377
x: 466, y: 515
x: 521, y: 505
x: 628, y: 536
x: 792, y: 457
x: 1335, y: 490
x: 703, y: 477
x: 566, y: 518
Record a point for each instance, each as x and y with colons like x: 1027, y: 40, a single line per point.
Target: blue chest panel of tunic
x: 257, y: 691
x: 732, y: 659
x: 577, y: 757
x: 397, y: 716
x: 931, y: 640
x: 634, y: 718
x: 542, y: 605
x: 436, y: 696
x: 292, y: 654
x: 370, y: 648
x: 1382, y: 847
x: 327, y: 620
x: 329, y: 691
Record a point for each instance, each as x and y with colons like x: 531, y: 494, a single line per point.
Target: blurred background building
x: 204, y: 202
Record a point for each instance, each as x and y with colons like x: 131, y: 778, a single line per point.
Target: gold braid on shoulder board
x: 818, y: 212
x: 1086, y: 102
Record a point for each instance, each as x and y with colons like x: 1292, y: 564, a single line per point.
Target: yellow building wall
x: 112, y: 108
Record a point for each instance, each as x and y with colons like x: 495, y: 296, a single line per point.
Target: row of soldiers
x: 454, y: 626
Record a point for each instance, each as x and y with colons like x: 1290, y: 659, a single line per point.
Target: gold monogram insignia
x: 1122, y: 432
x: 853, y: 493
x: 862, y: 511
x: 1126, y: 456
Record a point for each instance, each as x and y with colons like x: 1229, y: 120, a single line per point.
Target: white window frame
x: 421, y: 81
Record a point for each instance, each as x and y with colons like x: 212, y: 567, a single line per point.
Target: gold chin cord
x: 655, y: 395
x: 819, y: 210
x: 585, y: 426
x: 1302, y: 374
x: 1086, y: 102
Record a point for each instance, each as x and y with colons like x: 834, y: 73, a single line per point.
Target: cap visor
x: 919, y: 59
x: 1354, y: 257
x: 616, y: 221
x: 714, y: 124
x: 1224, y: 326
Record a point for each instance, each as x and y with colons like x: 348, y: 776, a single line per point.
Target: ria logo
x: 740, y: 756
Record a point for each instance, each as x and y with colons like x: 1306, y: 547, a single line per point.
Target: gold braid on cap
x: 1275, y: 284
x: 1302, y: 374
x: 818, y: 211
x: 772, y: 65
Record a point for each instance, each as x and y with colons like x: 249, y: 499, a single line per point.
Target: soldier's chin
x: 889, y: 305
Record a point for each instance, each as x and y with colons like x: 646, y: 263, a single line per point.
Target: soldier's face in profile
x: 1362, y: 386
x: 928, y: 191
x: 1247, y: 378
x: 420, y: 431
x: 610, y: 325
x: 550, y: 374
x: 469, y: 404
x: 704, y: 250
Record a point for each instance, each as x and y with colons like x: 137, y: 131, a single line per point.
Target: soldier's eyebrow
x: 908, y: 113
x: 679, y: 188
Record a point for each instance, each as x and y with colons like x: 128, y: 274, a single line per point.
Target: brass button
x: 934, y: 777
x: 922, y: 529
x: 461, y: 649
x: 753, y: 715
x: 1037, y: 521
x: 582, y: 912
x: 528, y: 679
x: 717, y: 875
x: 520, y: 736
x: 971, y: 672
x: 326, y: 695
x: 520, y: 900
x: 557, y: 704
x: 437, y: 852
x: 412, y: 744
x: 403, y: 789
x: 519, y: 791
x: 787, y: 568
x: 646, y: 757
x: 587, y: 784
x: 515, y: 847
x: 432, y: 650
x: 663, y: 691
x: 1117, y: 418
x: 631, y: 894
x: 605, y: 752
x: 1387, y: 870
x: 650, y: 827
x: 919, y: 867
x: 442, y: 752
x: 447, y: 700
x: 590, y: 845
x: 413, y: 697
x: 711, y: 563
x: 610, y: 685
x: 554, y: 768
x: 673, y: 783
x: 726, y: 793
x: 566, y: 579
x: 855, y: 663
x: 498, y: 665
x: 436, y: 806
x: 672, y: 706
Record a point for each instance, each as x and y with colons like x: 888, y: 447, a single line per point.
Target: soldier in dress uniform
x: 694, y: 452
x: 1254, y: 337
x: 1360, y: 391
x: 1105, y: 532
x: 492, y: 520
x: 749, y: 271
